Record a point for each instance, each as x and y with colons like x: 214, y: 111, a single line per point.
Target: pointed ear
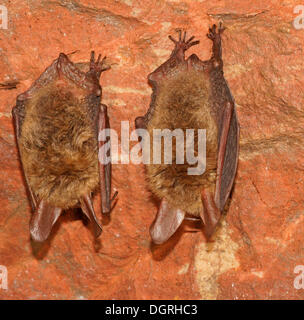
x: 167, y: 222
x: 43, y: 220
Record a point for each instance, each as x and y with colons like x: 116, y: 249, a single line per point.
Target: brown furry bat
x: 192, y: 94
x: 57, y: 122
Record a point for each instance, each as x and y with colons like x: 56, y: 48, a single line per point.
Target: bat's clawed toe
x: 182, y: 43
x: 98, y: 59
x: 221, y: 28
x: 215, y: 32
x: 172, y: 39
x: 113, y: 198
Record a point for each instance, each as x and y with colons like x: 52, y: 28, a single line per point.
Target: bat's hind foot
x: 214, y: 34
x: 182, y: 44
x: 98, y: 66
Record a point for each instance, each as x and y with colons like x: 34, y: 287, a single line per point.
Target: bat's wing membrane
x: 17, y: 110
x: 227, y: 156
x: 226, y: 169
x: 228, y: 126
x: 104, y: 165
x: 44, y: 215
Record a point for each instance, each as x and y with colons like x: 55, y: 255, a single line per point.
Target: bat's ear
x: 167, y: 222
x: 43, y: 220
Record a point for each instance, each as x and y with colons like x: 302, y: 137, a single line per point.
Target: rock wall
x: 260, y: 240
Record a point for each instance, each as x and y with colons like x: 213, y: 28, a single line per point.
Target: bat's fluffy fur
x: 183, y: 102
x: 58, y: 146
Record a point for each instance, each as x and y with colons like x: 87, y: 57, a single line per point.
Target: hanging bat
x: 190, y: 93
x: 57, y: 122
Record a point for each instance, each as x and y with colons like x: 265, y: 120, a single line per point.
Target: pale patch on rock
x: 212, y: 260
x: 276, y: 242
x: 165, y: 25
x: 149, y: 23
x: 184, y: 269
x: 127, y: 2
x: 135, y: 12
x: 235, y: 70
x: 114, y: 102
x: 161, y: 52
x: 5, y: 114
x: 259, y: 274
x: 126, y: 90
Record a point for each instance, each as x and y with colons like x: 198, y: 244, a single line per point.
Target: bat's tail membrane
x: 88, y: 210
x: 167, y: 222
x: 43, y: 220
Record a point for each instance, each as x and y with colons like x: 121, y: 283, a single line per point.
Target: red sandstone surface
x: 260, y: 240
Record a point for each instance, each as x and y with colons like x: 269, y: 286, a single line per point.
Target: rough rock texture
x: 260, y: 240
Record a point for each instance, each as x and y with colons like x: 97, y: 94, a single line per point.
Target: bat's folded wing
x: 228, y: 155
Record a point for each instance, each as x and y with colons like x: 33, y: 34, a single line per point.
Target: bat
x: 190, y: 93
x: 57, y: 122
